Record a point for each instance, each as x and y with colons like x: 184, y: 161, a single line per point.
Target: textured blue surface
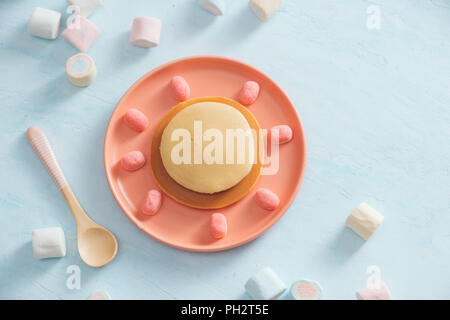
x: 376, y: 109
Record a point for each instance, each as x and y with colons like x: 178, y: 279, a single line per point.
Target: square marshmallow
x: 44, y: 23
x: 81, y: 33
x: 48, y: 243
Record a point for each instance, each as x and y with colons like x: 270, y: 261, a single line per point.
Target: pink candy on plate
x: 284, y: 133
x: 81, y: 33
x: 218, y: 225
x: 378, y: 291
x: 267, y: 199
x: 152, y: 203
x: 136, y: 120
x: 132, y: 161
x: 249, y: 92
x: 180, y: 88
x: 145, y: 32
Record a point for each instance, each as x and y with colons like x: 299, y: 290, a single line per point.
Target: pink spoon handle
x: 41, y: 146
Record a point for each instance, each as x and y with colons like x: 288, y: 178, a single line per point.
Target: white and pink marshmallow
x: 81, y: 33
x: 264, y: 9
x: 216, y: 7
x: 146, y: 32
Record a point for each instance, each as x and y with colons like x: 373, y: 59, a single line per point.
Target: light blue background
x: 376, y: 109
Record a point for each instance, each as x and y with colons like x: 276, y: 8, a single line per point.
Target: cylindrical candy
x: 265, y: 285
x: 267, y: 199
x: 284, y: 133
x: 99, y: 295
x: 152, y: 203
x: 81, y: 70
x: 132, y: 161
x: 249, y: 92
x: 264, y: 9
x: 145, y: 32
x: 216, y: 7
x: 44, y: 23
x: 218, y: 225
x: 364, y: 220
x: 136, y: 120
x: 180, y: 88
x: 305, y: 290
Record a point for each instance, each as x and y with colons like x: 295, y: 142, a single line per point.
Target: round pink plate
x: 178, y: 225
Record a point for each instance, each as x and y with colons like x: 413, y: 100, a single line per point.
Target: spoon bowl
x: 97, y: 246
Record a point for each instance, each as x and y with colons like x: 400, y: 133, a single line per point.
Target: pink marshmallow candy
x: 180, y: 88
x: 145, y: 32
x: 136, y: 120
x: 81, y: 33
x: 379, y: 291
x: 266, y: 199
x: 249, y: 92
x: 284, y: 133
x: 152, y: 203
x: 218, y: 225
x: 132, y: 161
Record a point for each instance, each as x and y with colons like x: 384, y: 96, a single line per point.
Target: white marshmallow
x: 264, y: 9
x: 364, y: 220
x: 48, y: 243
x: 86, y: 6
x: 265, y: 285
x: 44, y: 23
x: 216, y: 7
x: 81, y: 70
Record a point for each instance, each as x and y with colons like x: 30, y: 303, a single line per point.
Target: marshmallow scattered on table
x: 145, y: 32
x: 152, y: 203
x: 99, y: 295
x: 364, y: 220
x: 136, y: 120
x: 305, y: 290
x: 264, y: 9
x: 249, y: 92
x: 180, y: 88
x: 267, y: 199
x: 81, y: 70
x: 218, y: 225
x: 284, y: 133
x: 44, y: 23
x: 48, y: 243
x: 216, y: 7
x: 265, y: 285
x: 86, y: 6
x: 378, y: 291
x: 132, y: 161
x: 81, y: 33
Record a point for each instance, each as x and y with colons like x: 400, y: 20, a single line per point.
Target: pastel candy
x: 216, y: 7
x: 48, y: 243
x: 364, y: 220
x: 284, y: 133
x: 81, y: 33
x: 265, y: 285
x: 132, y: 161
x: 152, y: 203
x: 180, y: 88
x: 86, y: 6
x: 44, y: 23
x: 218, y: 225
x: 145, y: 32
x: 81, y: 70
x: 267, y: 199
x: 136, y: 120
x: 305, y: 290
x: 378, y: 291
x: 264, y: 9
x: 249, y: 92
x: 99, y: 295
